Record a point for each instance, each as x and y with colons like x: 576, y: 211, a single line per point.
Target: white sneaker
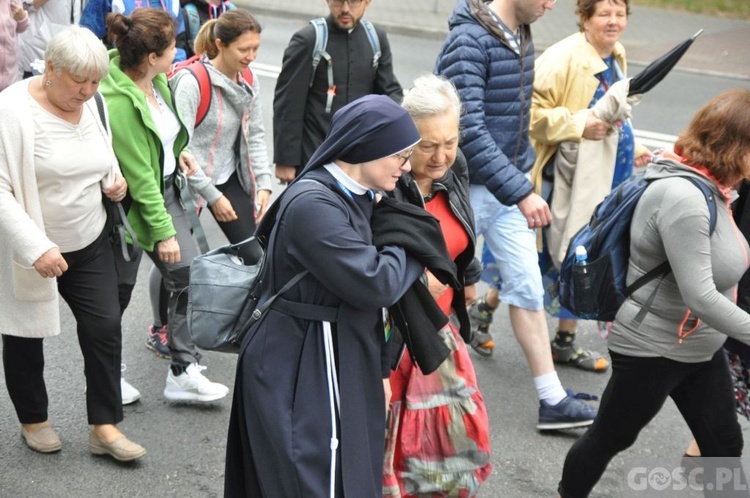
x: 129, y: 393
x: 192, y: 385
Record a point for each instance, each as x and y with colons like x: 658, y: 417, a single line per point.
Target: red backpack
x: 198, y: 69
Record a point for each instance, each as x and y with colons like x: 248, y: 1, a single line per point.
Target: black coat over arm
x: 280, y: 428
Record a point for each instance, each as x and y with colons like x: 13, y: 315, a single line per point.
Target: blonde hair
x: 431, y: 95
x: 79, y: 52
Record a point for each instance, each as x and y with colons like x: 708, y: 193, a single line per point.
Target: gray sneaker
x: 480, y: 317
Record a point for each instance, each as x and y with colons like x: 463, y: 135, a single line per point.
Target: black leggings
x: 634, y: 395
x: 244, y: 226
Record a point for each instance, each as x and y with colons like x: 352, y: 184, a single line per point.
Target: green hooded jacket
x: 139, y: 151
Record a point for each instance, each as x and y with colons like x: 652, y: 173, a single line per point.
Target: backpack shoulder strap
x: 199, y: 71
x: 710, y: 200
x: 664, y: 268
x: 319, y: 52
x: 192, y: 22
x: 321, y: 42
x: 115, y: 211
x: 247, y: 75
x: 100, y: 108
x: 372, y: 36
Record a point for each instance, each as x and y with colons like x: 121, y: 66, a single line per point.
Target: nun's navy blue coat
x: 280, y: 429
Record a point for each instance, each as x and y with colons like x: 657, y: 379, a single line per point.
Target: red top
x: 456, y: 238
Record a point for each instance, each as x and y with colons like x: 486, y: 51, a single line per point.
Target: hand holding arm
x: 51, y: 264
x: 116, y: 192
x: 188, y: 164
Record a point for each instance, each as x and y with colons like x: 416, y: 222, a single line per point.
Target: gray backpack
x: 319, y: 52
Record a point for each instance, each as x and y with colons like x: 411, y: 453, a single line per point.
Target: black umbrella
x: 659, y: 68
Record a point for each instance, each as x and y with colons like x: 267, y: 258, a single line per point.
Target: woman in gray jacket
x: 229, y: 142
x: 667, y: 337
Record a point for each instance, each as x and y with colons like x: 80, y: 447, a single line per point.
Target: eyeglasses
x: 340, y: 3
x: 404, y: 156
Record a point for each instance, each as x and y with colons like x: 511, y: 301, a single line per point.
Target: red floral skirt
x: 437, y: 442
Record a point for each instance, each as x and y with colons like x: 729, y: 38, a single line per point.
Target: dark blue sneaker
x: 569, y: 413
x: 157, y: 341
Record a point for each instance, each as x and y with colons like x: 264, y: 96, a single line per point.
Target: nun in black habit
x: 308, y: 416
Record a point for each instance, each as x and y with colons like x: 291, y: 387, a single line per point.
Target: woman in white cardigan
x: 56, y: 161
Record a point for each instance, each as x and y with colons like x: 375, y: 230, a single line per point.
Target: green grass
x: 736, y: 9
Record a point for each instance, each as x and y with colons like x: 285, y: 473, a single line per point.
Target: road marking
x: 650, y: 139
x: 654, y: 140
x: 266, y: 70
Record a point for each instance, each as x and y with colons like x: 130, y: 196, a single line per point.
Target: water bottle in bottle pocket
x: 584, y: 291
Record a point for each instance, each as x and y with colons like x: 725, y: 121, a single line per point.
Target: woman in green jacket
x: 150, y: 143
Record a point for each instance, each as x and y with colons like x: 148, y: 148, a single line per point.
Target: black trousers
x: 244, y: 226
x: 90, y: 289
x: 634, y: 395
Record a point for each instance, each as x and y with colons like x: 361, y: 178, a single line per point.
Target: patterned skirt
x: 437, y: 441
x: 741, y: 380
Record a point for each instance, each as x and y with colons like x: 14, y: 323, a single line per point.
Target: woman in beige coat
x: 571, y: 80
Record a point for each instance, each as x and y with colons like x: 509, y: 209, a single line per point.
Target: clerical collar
x: 345, y: 181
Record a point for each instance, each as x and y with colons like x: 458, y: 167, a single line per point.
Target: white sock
x: 549, y: 388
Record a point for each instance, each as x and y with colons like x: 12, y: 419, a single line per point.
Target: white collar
x: 345, y: 180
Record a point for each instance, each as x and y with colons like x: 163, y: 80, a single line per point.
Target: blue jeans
x: 513, y: 245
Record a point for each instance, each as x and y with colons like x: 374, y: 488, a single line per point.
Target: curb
x: 440, y: 34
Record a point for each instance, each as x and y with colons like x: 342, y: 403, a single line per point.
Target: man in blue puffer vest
x: 489, y: 56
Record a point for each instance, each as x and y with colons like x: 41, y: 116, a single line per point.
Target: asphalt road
x: 186, y: 442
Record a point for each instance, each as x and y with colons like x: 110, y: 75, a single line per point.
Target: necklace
x: 150, y: 93
x: 156, y: 97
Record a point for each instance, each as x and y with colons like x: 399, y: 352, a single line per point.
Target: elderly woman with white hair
x: 56, y: 163
x: 438, y: 433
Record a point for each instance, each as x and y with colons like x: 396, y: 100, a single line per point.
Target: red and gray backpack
x: 199, y: 71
